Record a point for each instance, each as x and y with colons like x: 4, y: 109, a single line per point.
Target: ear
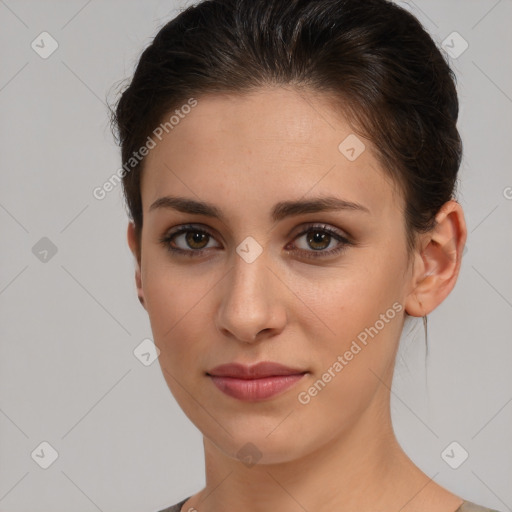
x: 437, y: 263
x: 134, y: 245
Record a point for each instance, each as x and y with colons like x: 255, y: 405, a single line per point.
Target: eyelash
x: 343, y: 245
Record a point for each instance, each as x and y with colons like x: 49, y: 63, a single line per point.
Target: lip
x: 257, y: 382
x: 255, y: 371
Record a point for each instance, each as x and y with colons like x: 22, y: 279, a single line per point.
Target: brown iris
x: 319, y: 237
x: 196, y: 237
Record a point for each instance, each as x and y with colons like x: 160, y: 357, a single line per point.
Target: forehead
x: 265, y: 146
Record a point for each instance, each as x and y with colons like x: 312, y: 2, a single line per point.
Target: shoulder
x: 177, y: 507
x: 469, y: 506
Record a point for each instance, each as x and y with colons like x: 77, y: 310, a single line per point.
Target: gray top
x: 467, y: 506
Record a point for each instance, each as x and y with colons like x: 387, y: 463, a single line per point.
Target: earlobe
x: 134, y: 245
x: 437, y: 266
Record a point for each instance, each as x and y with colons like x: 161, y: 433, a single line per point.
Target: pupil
x: 195, y: 238
x: 319, y: 237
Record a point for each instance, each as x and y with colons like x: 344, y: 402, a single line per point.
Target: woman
x: 290, y: 169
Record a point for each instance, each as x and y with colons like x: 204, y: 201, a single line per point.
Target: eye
x: 320, y: 237
x: 191, y: 238
x: 194, y: 241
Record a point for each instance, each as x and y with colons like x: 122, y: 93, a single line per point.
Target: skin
x: 245, y: 153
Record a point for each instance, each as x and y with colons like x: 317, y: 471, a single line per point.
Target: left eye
x: 196, y: 241
x: 319, y: 238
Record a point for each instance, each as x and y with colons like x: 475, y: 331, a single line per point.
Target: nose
x: 252, y: 304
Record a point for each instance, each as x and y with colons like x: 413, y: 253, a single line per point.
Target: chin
x: 259, y: 443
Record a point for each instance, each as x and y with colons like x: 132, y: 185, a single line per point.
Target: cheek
x: 363, y: 309
x: 349, y: 365
x: 176, y: 304
x: 366, y: 334
x: 359, y: 294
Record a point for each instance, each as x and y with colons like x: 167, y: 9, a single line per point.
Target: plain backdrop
x: 69, y: 316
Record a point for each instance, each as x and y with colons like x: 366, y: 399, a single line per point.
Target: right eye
x: 193, y: 240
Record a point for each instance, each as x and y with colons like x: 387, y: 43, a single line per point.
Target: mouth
x: 254, y: 383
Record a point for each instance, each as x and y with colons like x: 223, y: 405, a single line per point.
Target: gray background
x: 70, y: 324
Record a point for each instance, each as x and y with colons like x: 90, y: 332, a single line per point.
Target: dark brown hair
x: 372, y: 57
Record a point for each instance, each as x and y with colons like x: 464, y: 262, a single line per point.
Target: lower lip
x: 255, y: 389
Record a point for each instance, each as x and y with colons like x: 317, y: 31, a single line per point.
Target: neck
x: 362, y: 469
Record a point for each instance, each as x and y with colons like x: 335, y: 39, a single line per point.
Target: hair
x: 373, y: 59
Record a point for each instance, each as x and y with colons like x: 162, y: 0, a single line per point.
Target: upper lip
x: 255, y: 371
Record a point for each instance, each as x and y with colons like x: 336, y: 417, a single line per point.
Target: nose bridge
x: 249, y: 302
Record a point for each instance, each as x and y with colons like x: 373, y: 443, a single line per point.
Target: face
x: 319, y: 288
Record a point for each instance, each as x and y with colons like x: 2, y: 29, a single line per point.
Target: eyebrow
x: 280, y: 210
